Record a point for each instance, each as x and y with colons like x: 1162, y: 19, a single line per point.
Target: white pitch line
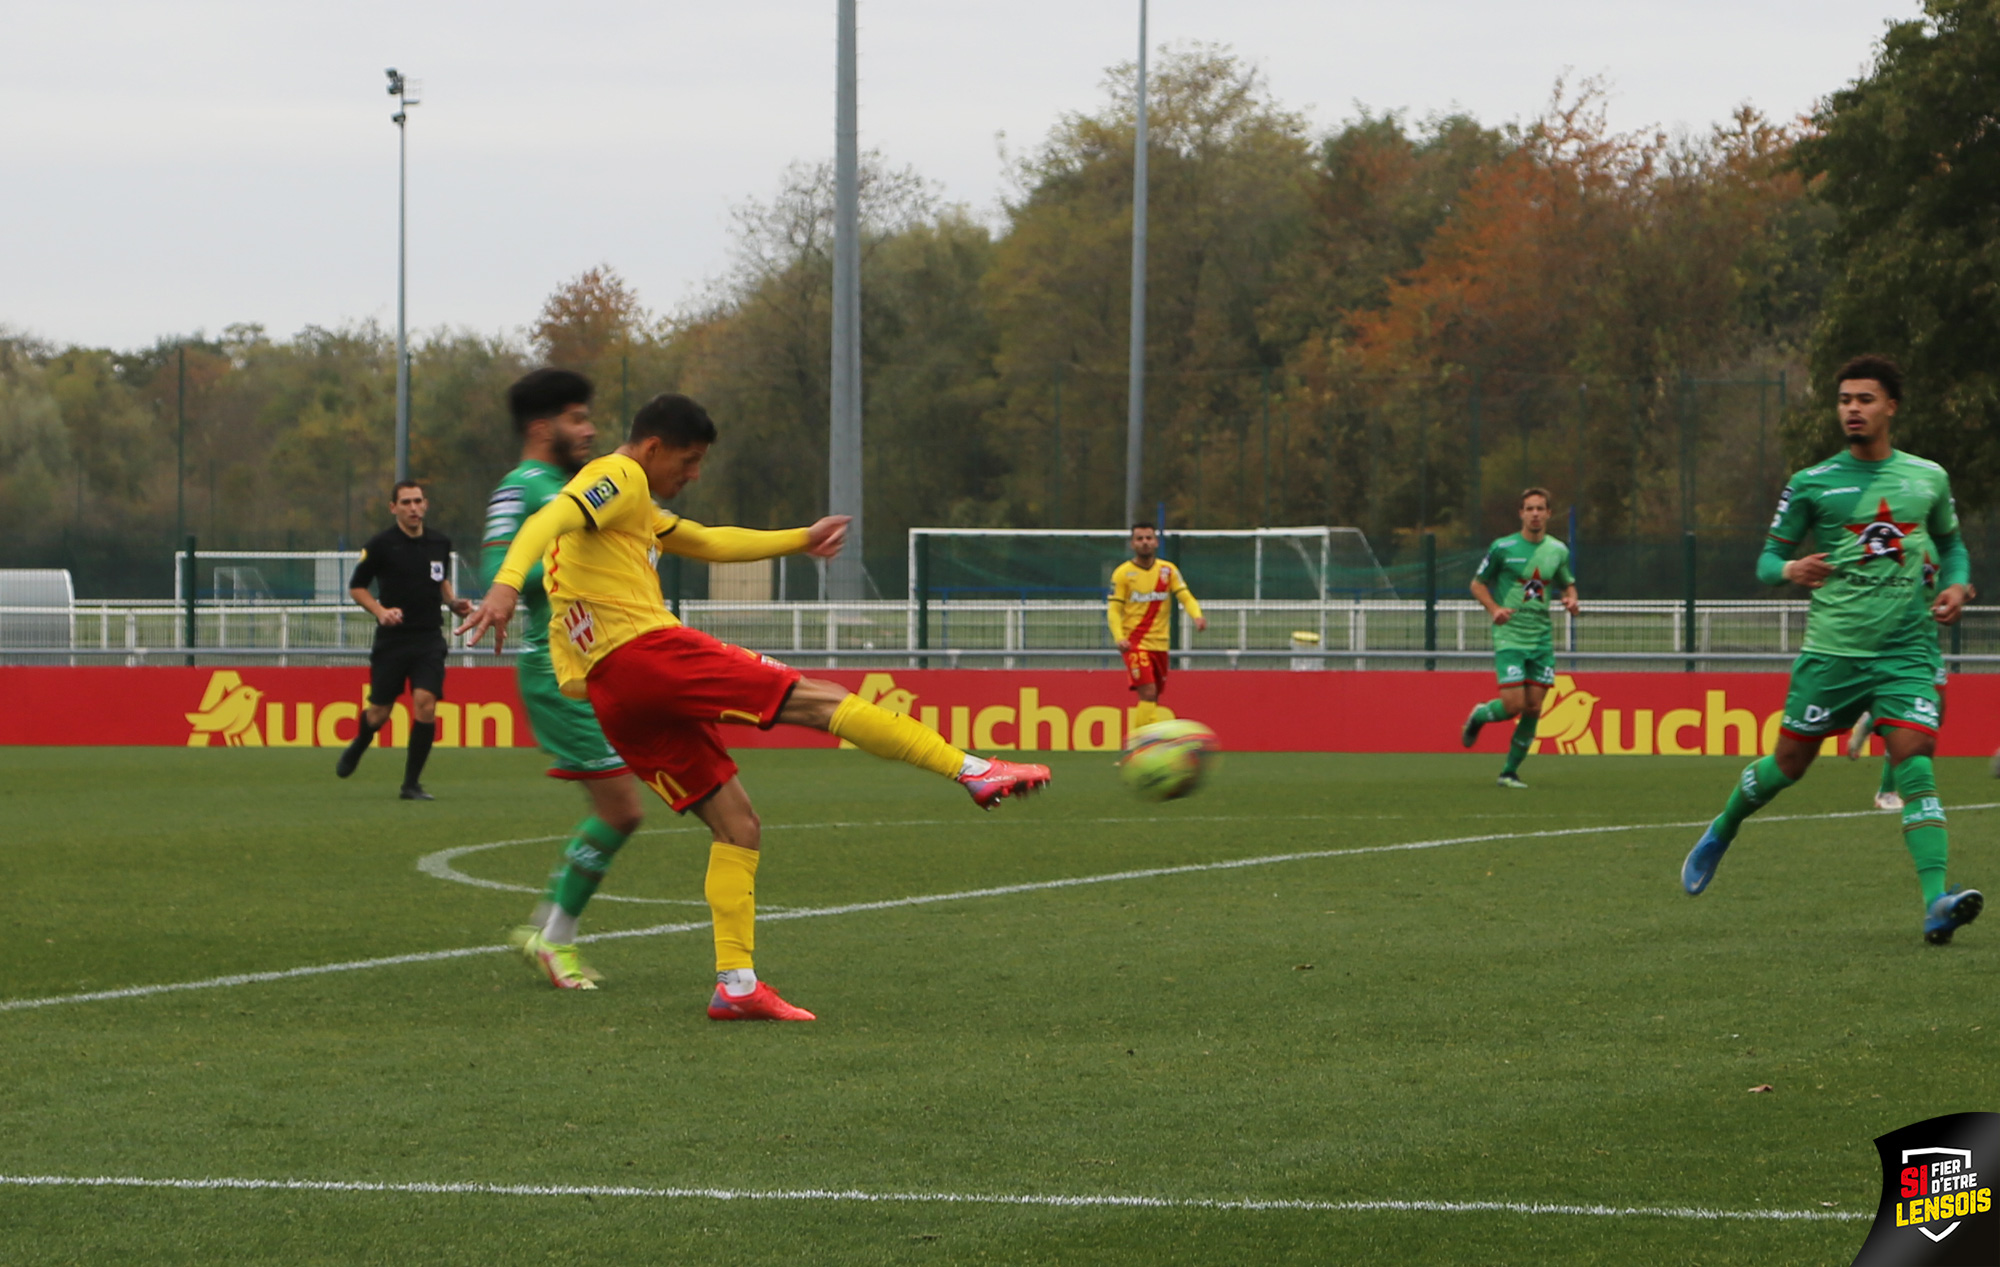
x: 927, y: 899
x: 1059, y: 1201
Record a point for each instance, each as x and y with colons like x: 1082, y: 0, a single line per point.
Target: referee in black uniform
x: 412, y: 566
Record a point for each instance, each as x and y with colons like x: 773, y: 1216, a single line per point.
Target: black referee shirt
x: 411, y: 572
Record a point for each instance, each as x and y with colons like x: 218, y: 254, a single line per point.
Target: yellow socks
x: 895, y: 737
x: 1145, y: 713
x: 731, y: 890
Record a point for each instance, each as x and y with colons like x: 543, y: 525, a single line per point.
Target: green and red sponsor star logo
x: 1882, y: 537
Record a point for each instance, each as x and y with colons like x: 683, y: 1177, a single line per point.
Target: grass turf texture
x: 1521, y: 1020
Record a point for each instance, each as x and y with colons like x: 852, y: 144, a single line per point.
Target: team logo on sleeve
x: 600, y: 493
x: 1882, y: 537
x: 1784, y: 504
x: 437, y: 569
x: 1535, y: 589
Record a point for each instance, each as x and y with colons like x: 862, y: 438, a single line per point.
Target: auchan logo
x: 1580, y: 722
x: 1022, y: 723
x: 242, y: 716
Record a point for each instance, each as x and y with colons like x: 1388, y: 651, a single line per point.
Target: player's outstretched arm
x: 493, y: 612
x: 564, y: 514
x: 691, y: 540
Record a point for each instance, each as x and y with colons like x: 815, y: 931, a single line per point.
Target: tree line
x: 1394, y: 324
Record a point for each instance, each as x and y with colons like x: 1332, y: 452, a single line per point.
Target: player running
x: 1141, y: 588
x: 1875, y: 513
x: 551, y: 411
x: 660, y: 689
x: 1521, y: 567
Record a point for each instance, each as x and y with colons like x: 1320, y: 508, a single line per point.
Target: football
x: 1168, y: 759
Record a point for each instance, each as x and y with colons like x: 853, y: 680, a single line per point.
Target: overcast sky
x: 174, y: 165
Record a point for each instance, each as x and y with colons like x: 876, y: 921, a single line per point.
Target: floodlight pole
x: 846, y: 575
x: 1135, y: 418
x: 399, y: 88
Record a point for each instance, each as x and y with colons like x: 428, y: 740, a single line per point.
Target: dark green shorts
x: 565, y: 728
x: 1516, y: 668
x: 1828, y: 692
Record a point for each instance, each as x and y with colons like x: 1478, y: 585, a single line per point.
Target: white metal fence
x: 999, y: 634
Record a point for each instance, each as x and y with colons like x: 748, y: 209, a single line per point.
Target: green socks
x: 1888, y: 783
x: 1524, y: 739
x: 1923, y: 824
x: 1761, y: 780
x: 585, y: 860
x: 1491, y: 711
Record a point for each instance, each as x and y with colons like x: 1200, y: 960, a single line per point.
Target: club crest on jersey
x: 580, y: 627
x: 437, y: 569
x: 1882, y: 537
x: 1535, y: 589
x: 600, y: 493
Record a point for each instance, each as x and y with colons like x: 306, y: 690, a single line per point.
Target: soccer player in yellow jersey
x: 1141, y: 588
x: 659, y: 689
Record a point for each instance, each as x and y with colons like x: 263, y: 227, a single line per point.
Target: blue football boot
x: 1702, y: 860
x: 1953, y: 911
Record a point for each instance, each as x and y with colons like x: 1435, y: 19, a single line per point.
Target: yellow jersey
x: 599, y: 543
x: 1139, y: 596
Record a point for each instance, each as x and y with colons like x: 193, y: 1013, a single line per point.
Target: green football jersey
x: 1879, y: 525
x: 525, y: 489
x: 1525, y: 575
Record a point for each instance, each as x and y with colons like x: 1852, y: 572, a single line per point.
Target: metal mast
x: 846, y: 576
x: 404, y: 92
x: 1135, y: 419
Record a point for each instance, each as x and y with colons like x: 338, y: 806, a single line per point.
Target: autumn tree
x: 1908, y: 157
x: 1229, y: 171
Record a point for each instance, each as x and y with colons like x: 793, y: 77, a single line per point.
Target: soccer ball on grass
x: 1166, y: 760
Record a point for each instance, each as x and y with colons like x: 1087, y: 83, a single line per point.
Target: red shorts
x: 1142, y: 667
x: 661, y: 696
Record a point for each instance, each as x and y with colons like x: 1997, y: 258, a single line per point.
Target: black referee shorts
x: 416, y: 658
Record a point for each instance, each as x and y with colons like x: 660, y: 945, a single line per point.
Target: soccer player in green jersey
x: 551, y: 410
x: 1513, y: 584
x: 1869, y: 518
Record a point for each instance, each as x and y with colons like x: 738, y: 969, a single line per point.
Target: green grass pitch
x: 1524, y: 1019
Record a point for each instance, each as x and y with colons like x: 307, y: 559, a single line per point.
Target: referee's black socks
x: 421, y: 735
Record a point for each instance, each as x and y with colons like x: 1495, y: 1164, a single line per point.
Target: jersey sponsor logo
x: 600, y: 493
x: 1535, y: 589
x: 437, y: 570
x: 580, y: 626
x: 1931, y: 570
x: 1882, y: 537
x: 1852, y: 488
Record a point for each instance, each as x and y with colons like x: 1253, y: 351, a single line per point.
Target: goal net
x: 1253, y: 564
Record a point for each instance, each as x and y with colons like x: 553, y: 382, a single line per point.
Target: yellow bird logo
x: 229, y: 709
x: 1566, y: 717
